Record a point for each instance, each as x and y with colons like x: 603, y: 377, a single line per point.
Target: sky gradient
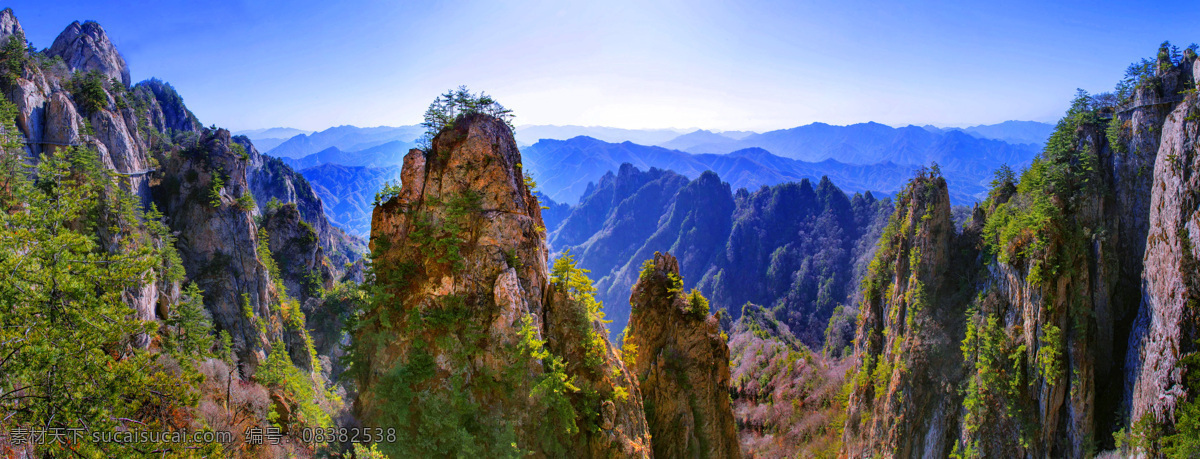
x: 717, y: 65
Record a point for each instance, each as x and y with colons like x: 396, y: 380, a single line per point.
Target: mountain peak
x: 9, y: 25
x: 85, y: 47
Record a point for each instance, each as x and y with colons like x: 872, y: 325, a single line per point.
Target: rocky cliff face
x: 205, y: 196
x: 695, y: 225
x: 297, y: 252
x: 902, y: 398
x: 681, y: 360
x: 271, y: 179
x: 1039, y: 306
x: 199, y: 179
x: 169, y: 114
x: 471, y: 345
x: 1168, y: 323
x: 85, y: 48
x: 612, y: 223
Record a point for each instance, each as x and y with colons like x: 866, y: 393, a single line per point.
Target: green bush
x: 214, y: 190
x: 240, y: 151
x: 88, y: 91
x: 697, y: 304
x: 246, y: 202
x: 1185, y: 442
x: 386, y: 193
x: 13, y: 57
x: 279, y: 372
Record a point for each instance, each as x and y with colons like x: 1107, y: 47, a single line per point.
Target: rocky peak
x: 681, y: 360
x: 471, y: 330
x: 85, y: 47
x: 9, y: 25
x: 899, y: 404
x: 175, y: 116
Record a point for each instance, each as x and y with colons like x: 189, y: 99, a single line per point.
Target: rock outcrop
x: 297, y: 252
x: 902, y: 402
x: 271, y: 179
x: 682, y: 366
x: 1168, y: 324
x: 85, y: 48
x: 1049, y: 276
x: 168, y: 113
x: 219, y: 243
x: 9, y: 25
x: 471, y: 345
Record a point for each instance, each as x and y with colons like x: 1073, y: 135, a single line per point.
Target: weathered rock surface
x: 461, y: 255
x: 271, y: 179
x: 1168, y: 323
x: 218, y: 242
x: 297, y: 252
x: 908, y: 334
x: 163, y: 154
x: 168, y: 113
x: 682, y: 366
x: 9, y: 25
x: 1051, y: 328
x: 85, y: 47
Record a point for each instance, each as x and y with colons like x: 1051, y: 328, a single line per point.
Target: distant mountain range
x: 286, y: 142
x: 266, y: 139
x: 1030, y: 132
x: 870, y: 143
x: 345, y: 138
x: 388, y: 154
x: 859, y: 157
x: 530, y: 134
x: 700, y: 137
x: 349, y: 193
x: 566, y: 168
x: 737, y: 246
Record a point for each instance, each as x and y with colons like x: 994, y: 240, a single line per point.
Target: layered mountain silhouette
x: 794, y: 247
x: 1016, y: 132
x: 345, y: 138
x: 564, y: 168
x: 269, y: 138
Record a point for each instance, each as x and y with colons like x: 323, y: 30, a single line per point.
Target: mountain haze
x: 530, y: 134
x: 345, y: 138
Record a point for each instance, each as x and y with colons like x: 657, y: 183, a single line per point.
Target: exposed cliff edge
x: 681, y: 359
x: 211, y: 188
x: 903, y: 397
x: 243, y: 244
x: 471, y: 345
x: 1168, y: 323
x: 1060, y: 320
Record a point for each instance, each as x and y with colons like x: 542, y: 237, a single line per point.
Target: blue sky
x: 716, y: 65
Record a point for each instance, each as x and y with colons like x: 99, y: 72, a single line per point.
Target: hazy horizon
x: 701, y: 65
x: 686, y: 130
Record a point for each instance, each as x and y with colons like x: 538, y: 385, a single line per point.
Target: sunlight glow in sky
x: 718, y: 65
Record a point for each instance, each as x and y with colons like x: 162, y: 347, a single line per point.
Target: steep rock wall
x: 902, y: 400
x: 682, y: 365
x: 470, y: 322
